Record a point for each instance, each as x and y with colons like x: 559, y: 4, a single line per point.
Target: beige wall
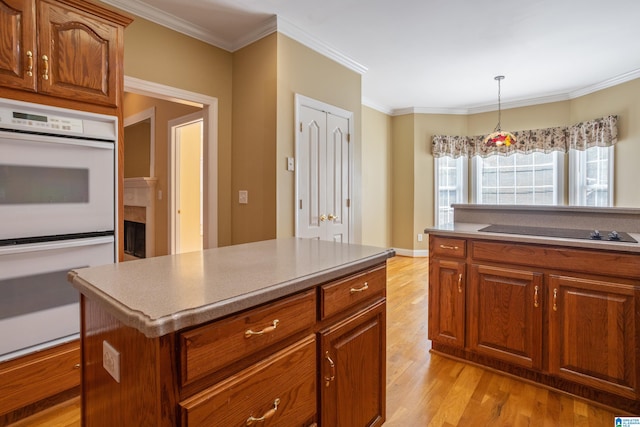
x: 137, y: 149
x: 254, y: 141
x: 164, y: 111
x: 413, y: 191
x: 157, y: 54
x: 376, y: 177
x: 303, y: 71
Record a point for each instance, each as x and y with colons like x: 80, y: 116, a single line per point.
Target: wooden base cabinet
x: 353, y: 370
x: 592, y: 333
x: 506, y: 314
x: 565, y: 317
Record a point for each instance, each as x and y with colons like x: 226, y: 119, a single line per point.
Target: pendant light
x: 499, y: 137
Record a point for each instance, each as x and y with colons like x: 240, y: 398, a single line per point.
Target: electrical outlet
x: 419, y: 237
x: 111, y: 360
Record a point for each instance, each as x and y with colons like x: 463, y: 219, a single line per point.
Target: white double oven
x: 57, y: 212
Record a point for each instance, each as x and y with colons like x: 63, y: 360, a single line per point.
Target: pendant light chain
x: 499, y: 79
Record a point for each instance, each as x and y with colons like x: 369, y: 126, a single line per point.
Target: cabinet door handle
x: 270, y: 413
x: 29, y: 63
x: 460, y: 283
x: 360, y: 289
x: 328, y: 379
x: 555, y: 299
x: 249, y: 333
x: 536, y: 302
x: 45, y: 61
x: 452, y: 248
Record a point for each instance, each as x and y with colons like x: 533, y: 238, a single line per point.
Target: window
x: 450, y: 185
x: 519, y: 179
x: 591, y: 177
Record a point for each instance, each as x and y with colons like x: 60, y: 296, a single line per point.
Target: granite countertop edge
x: 471, y: 230
x: 195, y: 316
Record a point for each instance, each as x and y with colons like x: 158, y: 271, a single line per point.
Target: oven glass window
x: 21, y: 185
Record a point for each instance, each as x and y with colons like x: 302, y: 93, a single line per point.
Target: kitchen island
x: 560, y: 311
x: 282, y: 332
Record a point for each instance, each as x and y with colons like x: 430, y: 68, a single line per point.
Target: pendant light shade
x: 499, y: 137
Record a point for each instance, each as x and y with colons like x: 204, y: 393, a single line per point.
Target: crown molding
x: 268, y: 26
x: 296, y: 33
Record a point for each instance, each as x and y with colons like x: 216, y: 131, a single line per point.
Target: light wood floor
x: 425, y: 389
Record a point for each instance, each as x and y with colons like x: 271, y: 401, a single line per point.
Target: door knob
x: 332, y: 217
x: 323, y: 217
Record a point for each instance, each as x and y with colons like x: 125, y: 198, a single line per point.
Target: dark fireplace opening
x: 134, y: 238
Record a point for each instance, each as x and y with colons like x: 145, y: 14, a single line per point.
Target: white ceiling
x: 435, y: 55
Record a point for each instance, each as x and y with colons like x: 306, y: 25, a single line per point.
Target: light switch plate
x: 290, y: 164
x: 111, y: 360
x: 243, y: 197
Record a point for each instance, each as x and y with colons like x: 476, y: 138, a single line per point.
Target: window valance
x: 601, y: 132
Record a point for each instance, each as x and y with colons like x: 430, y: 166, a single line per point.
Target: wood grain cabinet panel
x: 342, y: 294
x: 506, y: 314
x: 210, y: 347
x: 278, y: 391
x: 353, y: 373
x: 593, y: 334
x: 447, y: 293
x: 17, y: 44
x: 447, y: 247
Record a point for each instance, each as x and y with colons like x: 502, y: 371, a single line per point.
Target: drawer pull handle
x: 536, y: 302
x: 327, y: 380
x: 249, y: 333
x: 453, y: 248
x: 555, y: 300
x: 460, y: 283
x: 270, y: 413
x: 360, y: 289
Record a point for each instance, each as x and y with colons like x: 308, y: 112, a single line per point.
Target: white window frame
x: 559, y: 189
x: 578, y: 177
x: 462, y: 169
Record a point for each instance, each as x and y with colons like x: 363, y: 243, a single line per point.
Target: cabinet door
x: 77, y: 54
x: 17, y: 49
x: 506, y: 314
x: 593, y: 333
x: 353, y: 373
x: 447, y: 290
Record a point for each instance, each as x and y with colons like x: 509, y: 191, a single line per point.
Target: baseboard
x: 422, y: 253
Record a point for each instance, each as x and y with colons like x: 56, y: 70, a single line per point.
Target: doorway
x: 186, y: 175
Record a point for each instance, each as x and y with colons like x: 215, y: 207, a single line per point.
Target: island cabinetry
x: 353, y: 350
x: 65, y: 48
x: 506, y: 314
x: 353, y: 373
x: 593, y: 336
x: 206, y: 349
x: 447, y: 291
x: 279, y: 390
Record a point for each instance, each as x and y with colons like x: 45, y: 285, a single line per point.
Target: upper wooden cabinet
x: 68, y: 49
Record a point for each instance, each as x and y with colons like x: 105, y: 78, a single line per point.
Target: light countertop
x: 164, y: 294
x: 471, y: 230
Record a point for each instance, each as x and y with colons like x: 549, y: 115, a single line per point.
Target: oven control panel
x: 38, y: 122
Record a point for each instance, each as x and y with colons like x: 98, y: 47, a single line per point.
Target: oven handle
x: 31, y: 137
x: 54, y: 245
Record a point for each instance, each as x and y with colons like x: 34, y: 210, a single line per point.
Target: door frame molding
x: 209, y: 107
x: 300, y: 101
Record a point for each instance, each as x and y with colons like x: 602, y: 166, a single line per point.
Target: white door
x: 187, y: 185
x: 323, y: 177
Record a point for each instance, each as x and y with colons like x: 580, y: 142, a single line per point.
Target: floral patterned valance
x: 595, y: 133
x: 600, y: 132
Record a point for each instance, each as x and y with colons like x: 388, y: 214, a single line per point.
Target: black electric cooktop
x: 567, y: 233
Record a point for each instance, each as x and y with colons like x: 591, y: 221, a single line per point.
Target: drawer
x: 447, y: 247
x: 339, y: 295
x: 210, y: 347
x: 281, y: 388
